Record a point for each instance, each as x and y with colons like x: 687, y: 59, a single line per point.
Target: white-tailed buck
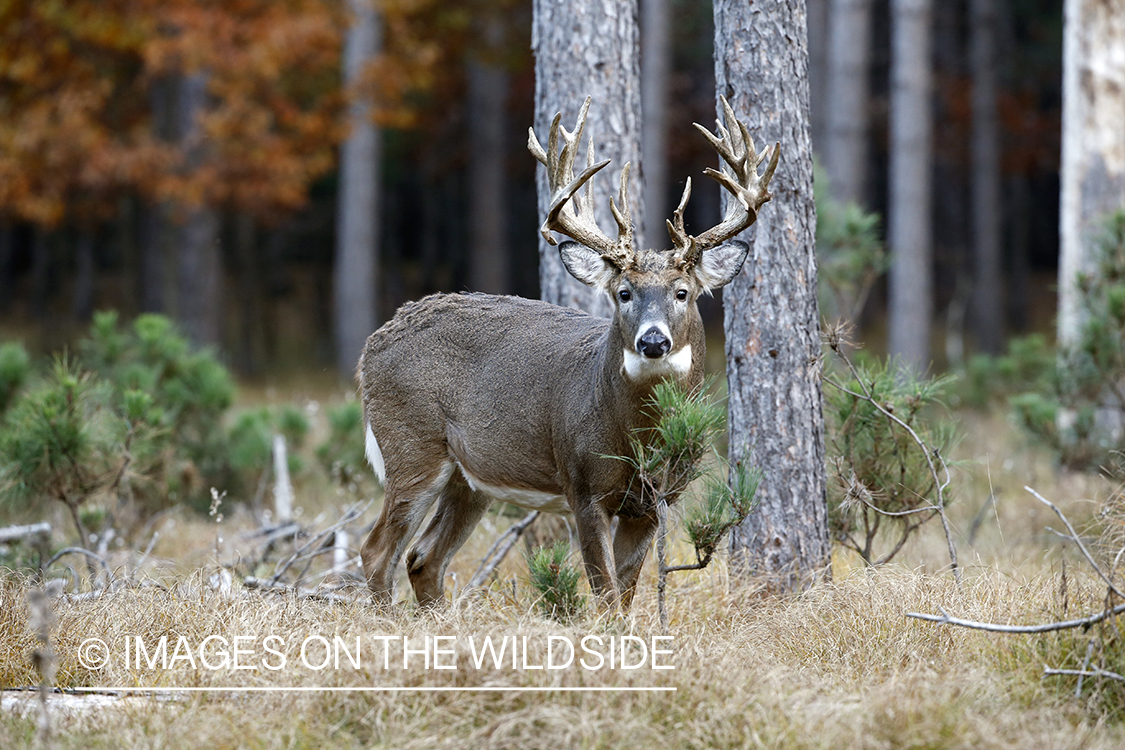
x: 471, y: 397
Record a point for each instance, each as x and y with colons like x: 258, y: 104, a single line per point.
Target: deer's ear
x: 721, y: 264
x: 586, y: 265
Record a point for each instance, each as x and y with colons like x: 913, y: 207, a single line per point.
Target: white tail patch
x: 374, y: 455
x: 638, y: 367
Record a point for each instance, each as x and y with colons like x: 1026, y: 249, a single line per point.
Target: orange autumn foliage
x: 88, y: 104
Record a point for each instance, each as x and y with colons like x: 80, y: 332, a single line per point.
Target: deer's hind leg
x: 457, y: 514
x: 404, y: 506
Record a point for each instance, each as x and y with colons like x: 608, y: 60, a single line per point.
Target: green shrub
x: 190, y: 392
x: 556, y: 580
x: 57, y: 443
x: 1074, y: 401
x: 850, y: 253
x: 875, y: 466
x: 342, y: 453
x: 15, y: 366
x: 138, y: 417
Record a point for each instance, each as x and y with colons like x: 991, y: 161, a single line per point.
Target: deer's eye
x: 681, y: 294
x: 624, y: 295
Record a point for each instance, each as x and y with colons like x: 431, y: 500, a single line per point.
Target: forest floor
x: 840, y: 665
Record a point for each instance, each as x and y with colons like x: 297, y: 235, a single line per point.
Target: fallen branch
x: 283, y: 588
x: 80, y: 551
x: 945, y: 619
x: 26, y: 533
x: 1091, y: 672
x: 499, y: 550
x: 1075, y: 538
x: 351, y: 515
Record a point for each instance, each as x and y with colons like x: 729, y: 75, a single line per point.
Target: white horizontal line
x: 367, y: 689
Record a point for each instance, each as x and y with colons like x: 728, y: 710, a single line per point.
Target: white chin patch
x: 374, y: 455
x: 638, y: 367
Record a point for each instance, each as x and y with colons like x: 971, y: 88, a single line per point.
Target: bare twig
x: 1092, y: 672
x: 92, y: 556
x: 945, y: 619
x: 41, y: 618
x: 1077, y: 540
x: 351, y: 515
x: 499, y: 550
x: 327, y: 596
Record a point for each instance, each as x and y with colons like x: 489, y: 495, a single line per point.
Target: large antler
x: 579, y: 223
x: 739, y: 175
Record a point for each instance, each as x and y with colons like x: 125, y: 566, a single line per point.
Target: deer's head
x: 654, y: 291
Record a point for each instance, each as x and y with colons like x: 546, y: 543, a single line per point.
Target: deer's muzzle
x: 653, y: 343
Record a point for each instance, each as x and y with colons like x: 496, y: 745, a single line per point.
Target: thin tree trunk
x: 909, y: 222
x: 845, y: 156
x: 987, y: 209
x: 355, y: 281
x: 819, y: 33
x: 150, y: 278
x: 40, y: 273
x: 1093, y: 143
x: 6, y: 252
x: 1019, y: 275
x: 199, y: 267
x: 656, y: 65
x: 588, y: 47
x: 489, y: 259
x: 770, y: 310
x: 250, y: 300
x: 82, y: 301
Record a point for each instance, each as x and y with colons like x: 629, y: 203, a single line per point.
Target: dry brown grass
x: 839, y: 666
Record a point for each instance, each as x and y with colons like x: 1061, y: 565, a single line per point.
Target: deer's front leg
x: 592, y: 521
x: 630, y: 547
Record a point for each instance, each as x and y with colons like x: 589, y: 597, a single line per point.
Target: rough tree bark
x: 845, y: 154
x: 656, y: 66
x: 1093, y: 142
x: 770, y: 310
x: 488, y: 133
x: 355, y: 273
x: 199, y: 265
x: 987, y: 209
x: 589, y: 47
x: 909, y: 231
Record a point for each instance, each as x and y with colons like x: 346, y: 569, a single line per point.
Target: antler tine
x: 739, y: 175
x: 580, y: 224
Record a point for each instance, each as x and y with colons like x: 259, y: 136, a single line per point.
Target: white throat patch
x: 638, y: 367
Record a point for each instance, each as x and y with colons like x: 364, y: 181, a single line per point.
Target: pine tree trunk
x: 819, y: 12
x: 150, y: 272
x: 199, y: 267
x: 82, y: 299
x: 488, y: 138
x: 845, y: 156
x: 355, y: 279
x: 1093, y: 142
x: 656, y: 65
x: 987, y: 209
x: 587, y: 47
x: 770, y: 310
x: 6, y: 274
x: 909, y: 231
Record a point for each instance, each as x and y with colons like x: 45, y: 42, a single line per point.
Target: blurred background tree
x: 153, y: 155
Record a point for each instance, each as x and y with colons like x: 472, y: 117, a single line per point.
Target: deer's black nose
x: 653, y: 344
